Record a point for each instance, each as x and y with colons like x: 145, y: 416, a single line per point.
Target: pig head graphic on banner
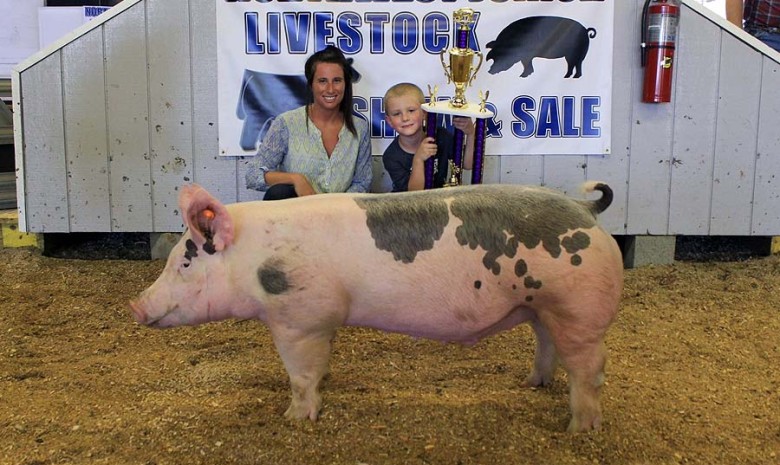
x: 543, y: 37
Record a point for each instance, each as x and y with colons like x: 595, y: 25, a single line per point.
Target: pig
x: 540, y: 36
x: 456, y: 264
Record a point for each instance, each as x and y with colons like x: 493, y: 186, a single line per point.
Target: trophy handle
x: 444, y: 65
x: 479, y: 65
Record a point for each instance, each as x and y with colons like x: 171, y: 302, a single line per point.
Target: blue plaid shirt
x: 292, y: 146
x: 762, y: 13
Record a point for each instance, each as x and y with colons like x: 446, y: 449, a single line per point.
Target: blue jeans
x: 770, y: 38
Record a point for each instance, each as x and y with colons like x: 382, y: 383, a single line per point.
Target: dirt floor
x: 693, y: 377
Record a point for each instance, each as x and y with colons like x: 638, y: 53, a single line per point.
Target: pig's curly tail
x: 598, y: 206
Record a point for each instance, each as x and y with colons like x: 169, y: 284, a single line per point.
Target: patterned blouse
x: 293, y: 146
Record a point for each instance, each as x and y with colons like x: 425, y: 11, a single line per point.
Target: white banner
x: 547, y: 65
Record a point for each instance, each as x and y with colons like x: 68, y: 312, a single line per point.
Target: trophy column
x: 461, y: 72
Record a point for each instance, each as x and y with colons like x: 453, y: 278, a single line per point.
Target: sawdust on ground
x: 693, y: 377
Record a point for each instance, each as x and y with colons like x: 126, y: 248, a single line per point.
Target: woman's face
x: 328, y: 86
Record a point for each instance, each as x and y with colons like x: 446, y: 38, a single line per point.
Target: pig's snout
x: 138, y: 312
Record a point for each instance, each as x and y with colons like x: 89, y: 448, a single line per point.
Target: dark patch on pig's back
x: 405, y: 225
x: 499, y: 221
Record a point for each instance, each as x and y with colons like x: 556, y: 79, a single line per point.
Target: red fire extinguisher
x: 659, y: 34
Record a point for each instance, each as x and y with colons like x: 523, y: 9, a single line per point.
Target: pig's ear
x: 207, y: 219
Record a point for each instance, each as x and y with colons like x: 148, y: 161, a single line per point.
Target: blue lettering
x: 549, y: 119
x: 323, y: 29
x: 569, y: 129
x: 405, y: 33
x: 525, y: 124
x: 379, y: 127
x: 436, y: 28
x: 590, y: 116
x: 360, y: 106
x: 351, y: 40
x: 274, y: 33
x: 377, y: 23
x: 297, y: 27
x: 253, y: 45
x: 493, y: 126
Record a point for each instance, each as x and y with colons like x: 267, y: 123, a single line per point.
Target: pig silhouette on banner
x: 264, y: 96
x: 544, y: 37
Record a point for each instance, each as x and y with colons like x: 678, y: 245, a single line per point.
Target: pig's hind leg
x: 545, y: 358
x: 305, y: 355
x: 581, y: 352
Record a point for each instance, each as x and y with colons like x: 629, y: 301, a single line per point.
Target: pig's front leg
x: 305, y: 355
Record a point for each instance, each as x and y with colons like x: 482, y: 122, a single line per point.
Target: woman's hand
x: 302, y: 185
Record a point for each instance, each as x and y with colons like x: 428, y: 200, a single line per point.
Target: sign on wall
x: 547, y: 65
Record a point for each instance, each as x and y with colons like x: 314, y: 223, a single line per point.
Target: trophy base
x: 458, y: 102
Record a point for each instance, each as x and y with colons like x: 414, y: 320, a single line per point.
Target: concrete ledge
x: 648, y: 250
x: 162, y: 243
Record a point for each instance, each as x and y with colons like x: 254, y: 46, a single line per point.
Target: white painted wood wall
x: 115, y: 117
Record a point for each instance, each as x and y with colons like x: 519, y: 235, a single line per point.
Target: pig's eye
x: 185, y: 265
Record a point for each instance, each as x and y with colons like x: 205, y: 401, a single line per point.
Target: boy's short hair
x: 404, y: 88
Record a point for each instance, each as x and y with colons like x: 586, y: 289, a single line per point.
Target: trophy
x: 460, y: 70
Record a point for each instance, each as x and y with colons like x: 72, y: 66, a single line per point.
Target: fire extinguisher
x: 659, y: 34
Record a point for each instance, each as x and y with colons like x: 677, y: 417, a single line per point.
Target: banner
x: 547, y: 66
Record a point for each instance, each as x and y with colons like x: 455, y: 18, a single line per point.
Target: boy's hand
x: 426, y: 150
x: 464, y: 124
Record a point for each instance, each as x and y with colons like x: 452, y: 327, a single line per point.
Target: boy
x: 404, y: 158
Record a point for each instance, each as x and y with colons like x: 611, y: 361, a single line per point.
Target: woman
x: 319, y: 147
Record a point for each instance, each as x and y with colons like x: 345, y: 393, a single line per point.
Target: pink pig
x: 456, y: 264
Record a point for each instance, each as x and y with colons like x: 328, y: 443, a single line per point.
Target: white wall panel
x: 127, y: 96
x: 766, y: 197
x: 703, y: 164
x: 86, y: 147
x: 735, y: 139
x: 170, y: 105
x: 46, y: 203
x: 613, y: 168
x: 696, y: 104
x: 524, y: 169
x: 215, y: 173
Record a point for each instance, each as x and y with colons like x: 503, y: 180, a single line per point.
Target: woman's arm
x: 361, y: 181
x: 270, y: 156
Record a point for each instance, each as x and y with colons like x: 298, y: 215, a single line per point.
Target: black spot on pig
x: 578, y: 241
x: 405, y: 226
x: 521, y: 268
x: 544, y: 37
x: 192, y: 250
x: 477, y: 284
x: 576, y: 260
x: 273, y: 278
x: 531, y: 283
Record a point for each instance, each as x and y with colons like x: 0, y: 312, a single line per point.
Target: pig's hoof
x: 537, y: 380
x: 582, y: 426
x: 302, y: 412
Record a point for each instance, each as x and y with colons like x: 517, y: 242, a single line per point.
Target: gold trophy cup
x: 460, y: 70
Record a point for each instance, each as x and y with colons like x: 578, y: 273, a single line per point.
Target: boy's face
x: 403, y: 113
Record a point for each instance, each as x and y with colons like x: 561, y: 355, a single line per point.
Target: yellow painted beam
x: 12, y: 237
